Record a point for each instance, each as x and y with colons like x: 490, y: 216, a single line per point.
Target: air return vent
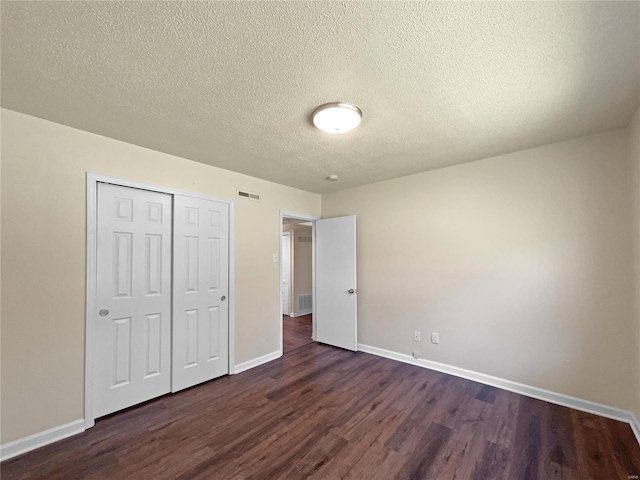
x: 251, y: 196
x: 305, y: 303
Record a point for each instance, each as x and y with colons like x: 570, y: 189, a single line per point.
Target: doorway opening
x: 297, y: 252
x: 333, y: 295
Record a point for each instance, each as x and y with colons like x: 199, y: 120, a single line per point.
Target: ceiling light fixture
x: 337, y: 117
x: 332, y: 178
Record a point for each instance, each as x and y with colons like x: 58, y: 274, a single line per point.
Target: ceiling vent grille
x: 251, y: 196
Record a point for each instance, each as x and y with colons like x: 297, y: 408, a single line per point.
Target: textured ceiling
x: 233, y: 84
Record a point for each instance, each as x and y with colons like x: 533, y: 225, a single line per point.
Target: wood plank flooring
x: 325, y: 413
x: 297, y: 332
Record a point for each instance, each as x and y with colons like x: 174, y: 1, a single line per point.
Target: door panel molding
x: 91, y: 313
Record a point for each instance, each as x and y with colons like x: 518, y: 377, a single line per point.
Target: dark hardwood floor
x: 325, y: 413
x: 297, y: 332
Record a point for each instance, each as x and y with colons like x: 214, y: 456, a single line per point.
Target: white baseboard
x: 241, y: 367
x: 300, y: 314
x: 527, y: 390
x: 41, y: 439
x: 37, y: 440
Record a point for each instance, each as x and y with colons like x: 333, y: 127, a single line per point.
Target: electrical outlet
x: 416, y: 336
x: 275, y: 258
x: 435, y: 337
x: 416, y: 354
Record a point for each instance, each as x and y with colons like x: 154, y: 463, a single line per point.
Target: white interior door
x: 201, y: 288
x: 285, y: 257
x: 133, y: 328
x: 336, y: 286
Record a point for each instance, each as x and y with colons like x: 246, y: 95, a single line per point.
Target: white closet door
x: 133, y: 327
x: 201, y: 288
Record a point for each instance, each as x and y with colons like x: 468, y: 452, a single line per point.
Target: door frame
x: 290, y: 292
x: 91, y: 280
x: 306, y: 218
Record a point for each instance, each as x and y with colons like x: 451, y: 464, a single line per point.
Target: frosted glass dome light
x: 337, y: 117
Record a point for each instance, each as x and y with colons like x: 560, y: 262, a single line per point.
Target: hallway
x: 297, y: 332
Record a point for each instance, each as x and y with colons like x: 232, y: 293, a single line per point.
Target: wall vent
x: 305, y: 303
x: 251, y: 196
x: 304, y: 239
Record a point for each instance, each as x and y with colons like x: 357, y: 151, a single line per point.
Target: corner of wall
x: 634, y: 157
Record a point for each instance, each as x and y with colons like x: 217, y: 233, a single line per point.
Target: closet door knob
x: 223, y: 298
x: 104, y: 312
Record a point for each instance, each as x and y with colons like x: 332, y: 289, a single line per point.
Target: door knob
x: 352, y: 291
x: 223, y: 298
x: 104, y: 312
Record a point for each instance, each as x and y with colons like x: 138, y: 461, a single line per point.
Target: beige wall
x: 520, y: 263
x: 634, y: 155
x: 43, y: 258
